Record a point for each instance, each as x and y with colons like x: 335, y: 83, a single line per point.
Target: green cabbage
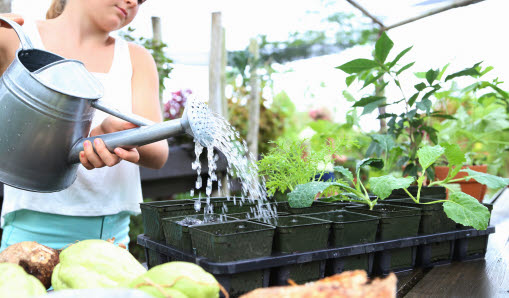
x: 187, y: 278
x: 15, y: 282
x: 95, y: 264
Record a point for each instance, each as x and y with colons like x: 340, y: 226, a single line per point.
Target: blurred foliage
x: 344, y: 30
x: 407, y: 131
x: 157, y: 49
x: 480, y: 125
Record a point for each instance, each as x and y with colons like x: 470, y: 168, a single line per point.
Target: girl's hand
x: 11, y: 16
x: 102, y: 157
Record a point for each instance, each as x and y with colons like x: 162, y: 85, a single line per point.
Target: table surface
x: 479, y: 278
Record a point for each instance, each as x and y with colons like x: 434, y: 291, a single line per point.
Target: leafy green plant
x: 411, y: 128
x: 292, y: 162
x: 460, y: 207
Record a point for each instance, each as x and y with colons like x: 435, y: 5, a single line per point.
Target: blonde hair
x: 55, y: 9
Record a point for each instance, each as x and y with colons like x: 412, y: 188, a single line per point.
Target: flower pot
x: 153, y: 212
x: 474, y: 247
x: 395, y: 222
x: 296, y: 233
x: 471, y: 187
x: 434, y: 192
x: 433, y: 221
x: 176, y: 229
x: 349, y: 228
x: 232, y: 241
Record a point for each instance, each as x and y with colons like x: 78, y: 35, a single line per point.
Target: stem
x: 434, y: 202
x: 412, y: 197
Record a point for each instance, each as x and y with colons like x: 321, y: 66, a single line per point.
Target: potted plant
x: 480, y: 127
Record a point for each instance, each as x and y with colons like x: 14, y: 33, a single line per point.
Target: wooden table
x: 479, y: 278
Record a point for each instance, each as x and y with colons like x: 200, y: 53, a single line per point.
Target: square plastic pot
x: 232, y: 241
x: 176, y: 229
x: 153, y: 212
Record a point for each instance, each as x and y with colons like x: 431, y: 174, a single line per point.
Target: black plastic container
x: 434, y: 192
x: 472, y: 248
x: 234, y: 272
x: 433, y: 220
x: 153, y: 212
x: 395, y: 222
x: 176, y: 229
x: 232, y: 241
x: 316, y: 207
x: 296, y: 234
x: 349, y: 228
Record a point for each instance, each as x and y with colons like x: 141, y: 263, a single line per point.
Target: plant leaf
x: 491, y: 181
x: 348, y: 96
x: 357, y: 66
x: 420, y: 86
x: 472, y: 71
x: 385, y: 141
x: 384, y: 185
x: 382, y: 47
x: 405, y: 68
x: 304, y: 194
x: 466, y: 210
x: 350, y: 79
x: 367, y: 100
x: 412, y: 99
x: 431, y: 75
x: 428, y: 155
x: 454, y: 155
x: 373, y: 162
x: 399, y: 56
x: 345, y: 172
x: 425, y: 105
x: 372, y: 106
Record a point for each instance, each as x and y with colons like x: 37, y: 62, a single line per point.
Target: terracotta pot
x: 471, y: 187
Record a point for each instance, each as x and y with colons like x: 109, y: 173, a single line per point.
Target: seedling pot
x: 395, y: 222
x: 153, y: 212
x: 176, y: 229
x: 232, y: 241
x: 349, y: 228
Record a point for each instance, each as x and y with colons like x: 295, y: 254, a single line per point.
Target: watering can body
x: 43, y: 126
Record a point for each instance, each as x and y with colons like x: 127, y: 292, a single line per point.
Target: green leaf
x: 372, y: 106
x: 443, y: 116
x: 412, y: 99
x: 382, y: 47
x: 383, y: 186
x: 424, y: 105
x: 491, y: 181
x: 454, y: 155
x: 372, y: 162
x: 345, y: 172
x: 405, y: 68
x: 349, y: 80
x: 421, y: 86
x: 439, y: 77
x: 348, y: 96
x: 466, y: 210
x: 367, y: 100
x: 472, y: 71
x: 428, y: 155
x: 358, y: 65
x: 304, y: 194
x: 431, y: 75
x: 399, y: 57
x: 385, y: 141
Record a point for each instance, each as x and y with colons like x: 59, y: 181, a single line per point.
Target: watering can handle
x: 133, y: 118
x: 24, y: 41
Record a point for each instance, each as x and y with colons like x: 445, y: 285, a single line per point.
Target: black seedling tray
x: 277, y: 260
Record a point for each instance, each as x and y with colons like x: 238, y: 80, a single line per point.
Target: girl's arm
x: 145, y: 94
x: 145, y: 101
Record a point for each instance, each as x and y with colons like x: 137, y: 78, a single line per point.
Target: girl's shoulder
x: 139, y: 54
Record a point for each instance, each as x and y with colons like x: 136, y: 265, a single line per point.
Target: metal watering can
x: 46, y: 107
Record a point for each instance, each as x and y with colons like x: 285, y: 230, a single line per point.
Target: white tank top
x: 102, y: 191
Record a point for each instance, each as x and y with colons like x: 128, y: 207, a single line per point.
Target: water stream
x: 241, y: 166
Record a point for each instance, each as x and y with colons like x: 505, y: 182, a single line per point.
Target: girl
x: 108, y: 189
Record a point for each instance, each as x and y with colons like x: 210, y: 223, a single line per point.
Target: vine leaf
x: 466, y: 210
x: 383, y: 186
